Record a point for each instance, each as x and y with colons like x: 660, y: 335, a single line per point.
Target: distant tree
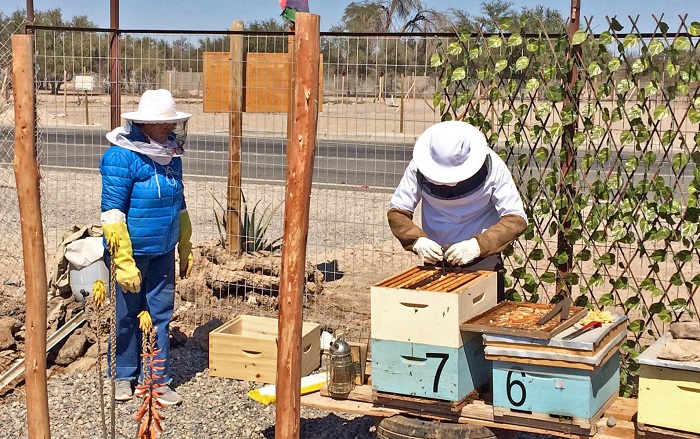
x: 391, y: 16
x: 266, y: 43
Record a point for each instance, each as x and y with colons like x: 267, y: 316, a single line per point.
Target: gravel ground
x: 213, y: 407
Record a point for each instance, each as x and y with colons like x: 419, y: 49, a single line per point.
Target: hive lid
x: 650, y: 356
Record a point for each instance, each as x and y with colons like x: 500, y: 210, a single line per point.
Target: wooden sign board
x: 266, y: 79
x: 83, y: 83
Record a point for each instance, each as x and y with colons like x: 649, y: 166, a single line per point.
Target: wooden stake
x: 65, y: 93
x: 235, y: 134
x: 300, y: 161
x: 27, y: 178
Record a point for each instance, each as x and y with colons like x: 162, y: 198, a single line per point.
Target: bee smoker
x: 341, y: 369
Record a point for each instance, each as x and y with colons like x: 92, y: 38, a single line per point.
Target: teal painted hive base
x: 555, y: 390
x: 429, y: 371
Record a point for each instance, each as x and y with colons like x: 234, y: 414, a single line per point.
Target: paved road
x: 349, y: 164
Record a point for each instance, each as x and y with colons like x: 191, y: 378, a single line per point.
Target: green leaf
x: 630, y: 41
x: 505, y: 22
x: 624, y: 86
x: 663, y: 27
x: 631, y: 164
x: 626, y: 137
x: 672, y: 69
x: 454, y: 49
x: 676, y: 280
x: 606, y: 299
x: 683, y: 256
x: 541, y: 154
x: 605, y: 38
x: 536, y: 255
x: 614, y: 65
x: 500, y: 65
x: 515, y: 40
x: 596, y: 280
x: 648, y: 284
x: 694, y: 29
x: 555, y: 93
x: 607, y: 259
x: 638, y: 66
x: 458, y: 74
x: 567, y: 116
x: 615, y: 25
x: 579, y: 37
x: 656, y: 307
x: 694, y: 115
x: 474, y: 52
x: 658, y: 255
x: 649, y: 158
x: 548, y: 277
x: 532, y: 85
x: 522, y: 63
x: 681, y: 43
x: 436, y: 60
x: 633, y: 302
x: 636, y: 326
x: 661, y: 112
x: 583, y: 255
x: 494, y: 41
x: 550, y: 72
x: 655, y: 47
x: 668, y: 137
x: 505, y: 117
x: 679, y: 161
x: 679, y: 304
x: 594, y: 69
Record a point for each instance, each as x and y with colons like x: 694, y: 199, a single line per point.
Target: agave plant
x: 253, y: 226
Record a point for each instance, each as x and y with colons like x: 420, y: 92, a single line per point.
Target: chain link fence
x: 607, y: 164
x: 12, y: 279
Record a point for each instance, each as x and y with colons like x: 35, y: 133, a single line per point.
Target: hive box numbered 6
x: 246, y: 349
x: 423, y: 305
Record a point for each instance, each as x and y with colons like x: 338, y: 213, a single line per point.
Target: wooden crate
x: 421, y: 305
x: 429, y: 371
x: 555, y: 391
x: 246, y: 349
x: 669, y: 391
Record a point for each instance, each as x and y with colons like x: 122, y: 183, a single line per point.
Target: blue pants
x: 157, y: 296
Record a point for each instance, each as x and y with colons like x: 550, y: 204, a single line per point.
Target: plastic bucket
x: 82, y: 279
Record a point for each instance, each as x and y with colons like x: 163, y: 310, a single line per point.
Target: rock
x: 201, y: 333
x: 685, y: 330
x: 74, y: 347
x: 57, y: 314
x: 8, y: 328
x: 177, y: 337
x: 611, y: 422
x: 681, y: 350
x: 84, y: 363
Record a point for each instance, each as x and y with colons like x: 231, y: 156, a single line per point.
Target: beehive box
x: 668, y: 390
x: 246, y: 349
x: 430, y: 371
x: 422, y: 305
x: 555, y: 391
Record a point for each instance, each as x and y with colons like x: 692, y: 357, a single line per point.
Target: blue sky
x: 218, y: 15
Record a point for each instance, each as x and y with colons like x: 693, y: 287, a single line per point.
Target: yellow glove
x: 184, y: 246
x: 128, y: 276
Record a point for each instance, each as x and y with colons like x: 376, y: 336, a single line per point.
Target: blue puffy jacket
x: 151, y: 195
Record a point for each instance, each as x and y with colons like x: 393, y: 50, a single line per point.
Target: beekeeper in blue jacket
x: 144, y: 204
x: 471, y: 207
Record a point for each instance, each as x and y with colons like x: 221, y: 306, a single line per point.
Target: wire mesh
x: 378, y: 96
x: 12, y: 279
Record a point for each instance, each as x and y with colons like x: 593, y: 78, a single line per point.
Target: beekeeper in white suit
x: 471, y: 207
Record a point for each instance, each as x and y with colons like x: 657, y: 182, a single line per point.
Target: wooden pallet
x: 359, y: 401
x: 394, y: 400
x: 565, y: 424
x: 647, y: 431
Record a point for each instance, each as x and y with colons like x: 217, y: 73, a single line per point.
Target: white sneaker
x: 123, y: 391
x: 167, y: 396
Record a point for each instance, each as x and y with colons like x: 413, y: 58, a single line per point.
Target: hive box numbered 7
x: 245, y: 348
x: 418, y: 349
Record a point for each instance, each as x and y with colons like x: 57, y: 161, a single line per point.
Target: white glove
x: 428, y: 250
x: 463, y: 252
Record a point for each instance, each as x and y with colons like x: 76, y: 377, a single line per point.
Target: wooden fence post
x: 235, y: 135
x: 300, y: 162
x: 27, y: 178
